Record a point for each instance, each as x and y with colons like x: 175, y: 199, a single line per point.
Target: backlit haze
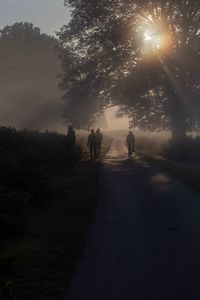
x: 115, y: 123
x: 42, y: 114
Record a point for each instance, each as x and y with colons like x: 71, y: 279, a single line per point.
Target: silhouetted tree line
x: 104, y: 63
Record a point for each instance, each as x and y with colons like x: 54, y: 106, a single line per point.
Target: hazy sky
x: 49, y: 15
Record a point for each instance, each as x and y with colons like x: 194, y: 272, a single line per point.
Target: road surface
x: 145, y: 243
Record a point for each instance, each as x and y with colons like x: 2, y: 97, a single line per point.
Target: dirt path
x: 145, y: 243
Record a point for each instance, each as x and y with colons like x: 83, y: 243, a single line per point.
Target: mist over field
x: 29, y: 82
x: 29, y: 95
x: 30, y: 106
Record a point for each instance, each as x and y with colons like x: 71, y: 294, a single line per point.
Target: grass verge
x: 187, y: 172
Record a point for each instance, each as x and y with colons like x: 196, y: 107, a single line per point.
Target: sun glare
x: 147, y: 37
x: 151, y: 38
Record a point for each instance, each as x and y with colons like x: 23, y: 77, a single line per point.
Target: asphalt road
x: 145, y: 243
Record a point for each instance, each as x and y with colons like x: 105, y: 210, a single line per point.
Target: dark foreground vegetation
x: 46, y: 208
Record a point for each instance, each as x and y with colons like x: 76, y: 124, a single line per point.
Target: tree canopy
x: 28, y: 77
x: 111, y: 57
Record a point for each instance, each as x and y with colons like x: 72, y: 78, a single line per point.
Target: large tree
x: 142, y: 55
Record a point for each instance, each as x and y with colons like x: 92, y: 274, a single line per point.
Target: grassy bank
x: 181, y: 159
x: 43, y: 236
x: 187, y: 172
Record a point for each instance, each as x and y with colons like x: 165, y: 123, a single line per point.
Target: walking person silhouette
x: 130, y: 143
x: 99, y: 138
x: 92, y: 144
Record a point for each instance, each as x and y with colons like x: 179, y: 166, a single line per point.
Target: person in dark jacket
x: 99, y: 138
x: 70, y: 143
x: 92, y: 144
x: 130, y: 143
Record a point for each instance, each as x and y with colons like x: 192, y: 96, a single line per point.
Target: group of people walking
x: 94, y: 143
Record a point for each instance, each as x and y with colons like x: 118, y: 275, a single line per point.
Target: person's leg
x: 99, y: 150
x: 91, y: 152
x: 129, y: 150
x: 95, y: 152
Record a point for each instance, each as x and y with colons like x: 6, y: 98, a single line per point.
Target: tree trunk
x: 178, y: 126
x: 177, y: 112
x: 176, y: 101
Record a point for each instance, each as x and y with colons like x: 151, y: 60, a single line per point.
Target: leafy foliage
x: 104, y: 61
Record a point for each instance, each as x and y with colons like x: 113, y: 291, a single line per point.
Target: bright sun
x: 151, y: 38
x: 147, y: 37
